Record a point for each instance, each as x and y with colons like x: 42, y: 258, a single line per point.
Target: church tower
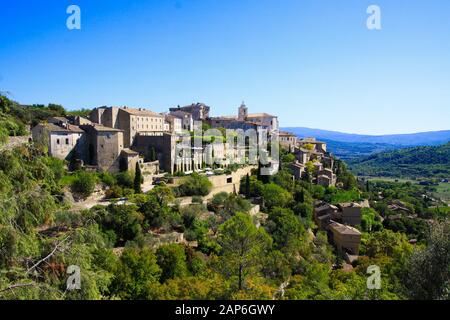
x: 243, y: 112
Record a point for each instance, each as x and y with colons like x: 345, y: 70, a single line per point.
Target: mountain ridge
x: 429, y: 138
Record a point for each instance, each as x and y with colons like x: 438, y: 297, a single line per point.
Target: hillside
x: 430, y: 161
x: 350, y: 150
x: 412, y: 139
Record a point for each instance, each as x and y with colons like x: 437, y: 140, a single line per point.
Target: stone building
x: 104, y: 147
x: 288, y: 140
x: 61, y: 139
x: 199, y: 111
x: 350, y: 213
x: 186, y: 118
x: 346, y: 239
x: 132, y: 121
x: 173, y: 124
x: 244, y: 120
x: 323, y: 214
x: 164, y: 146
x: 319, y: 146
x: 326, y: 177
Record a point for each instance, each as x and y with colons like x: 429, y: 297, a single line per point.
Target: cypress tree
x: 247, y: 186
x: 137, y: 179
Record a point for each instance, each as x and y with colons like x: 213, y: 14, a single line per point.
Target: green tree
x: 242, y: 247
x: 428, y: 271
x: 137, y: 179
x: 135, y: 273
x: 288, y: 230
x: 275, y: 196
x: 172, y: 260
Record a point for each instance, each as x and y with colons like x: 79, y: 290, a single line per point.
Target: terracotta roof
x: 100, y: 128
x: 55, y: 128
x: 284, y: 133
x: 227, y: 118
x: 260, y: 115
x: 140, y: 112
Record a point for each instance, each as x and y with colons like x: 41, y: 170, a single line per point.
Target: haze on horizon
x: 312, y: 63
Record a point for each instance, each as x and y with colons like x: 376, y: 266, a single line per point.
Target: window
x: 230, y: 180
x: 67, y: 140
x: 57, y: 141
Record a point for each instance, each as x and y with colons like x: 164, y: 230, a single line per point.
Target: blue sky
x: 312, y: 62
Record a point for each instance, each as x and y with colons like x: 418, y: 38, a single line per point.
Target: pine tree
x: 137, y: 179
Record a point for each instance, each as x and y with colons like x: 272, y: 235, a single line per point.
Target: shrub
x: 197, y: 199
x: 108, y: 179
x: 125, y: 179
x: 84, y: 183
x: 195, y: 185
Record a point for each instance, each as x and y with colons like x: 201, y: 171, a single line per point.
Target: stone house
x: 326, y: 177
x: 299, y: 170
x: 173, y: 124
x: 319, y: 146
x: 346, y: 239
x: 186, y: 118
x: 132, y: 121
x: 61, y: 139
x: 288, y: 140
x: 104, y: 147
x: 323, y: 214
x: 350, y: 213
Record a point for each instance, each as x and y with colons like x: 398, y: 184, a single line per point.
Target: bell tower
x: 243, y: 112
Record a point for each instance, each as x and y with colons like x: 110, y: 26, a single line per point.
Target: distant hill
x: 428, y: 162
x: 411, y: 139
x: 351, y: 150
x: 348, y: 146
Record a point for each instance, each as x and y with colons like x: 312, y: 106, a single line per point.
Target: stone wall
x: 229, y: 183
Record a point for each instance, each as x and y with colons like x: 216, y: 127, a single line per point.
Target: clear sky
x: 313, y: 63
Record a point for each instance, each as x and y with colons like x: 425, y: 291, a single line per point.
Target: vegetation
x: 418, y: 162
x: 194, y: 185
x: 135, y: 250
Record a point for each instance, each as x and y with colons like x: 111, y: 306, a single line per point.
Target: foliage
x: 242, y: 245
x: 409, y: 162
x: 275, y: 196
x: 428, y: 275
x: 84, y: 183
x: 195, y: 185
x: 135, y: 273
x: 171, y: 258
x: 137, y: 179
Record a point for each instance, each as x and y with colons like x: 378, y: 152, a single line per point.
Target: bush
x: 108, y: 179
x: 84, y: 184
x: 195, y: 185
x: 197, y: 199
x: 124, y: 179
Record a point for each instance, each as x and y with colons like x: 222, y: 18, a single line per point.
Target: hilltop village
x: 117, y: 139
x: 132, y: 197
